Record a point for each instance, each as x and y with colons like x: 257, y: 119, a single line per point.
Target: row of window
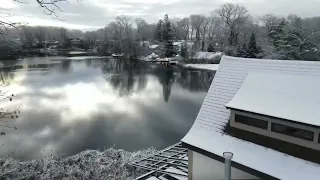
x: 275, y: 127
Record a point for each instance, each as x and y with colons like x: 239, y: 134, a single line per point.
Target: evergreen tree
x: 242, y: 51
x: 277, y: 34
x: 291, y: 43
x: 210, y: 48
x: 253, y: 49
x: 159, y: 30
x: 184, y: 50
x: 167, y: 37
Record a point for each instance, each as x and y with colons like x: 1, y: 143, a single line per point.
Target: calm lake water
x: 70, y: 106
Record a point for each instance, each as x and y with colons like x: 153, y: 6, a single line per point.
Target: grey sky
x: 93, y: 14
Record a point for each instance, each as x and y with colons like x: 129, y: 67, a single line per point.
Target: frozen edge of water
x: 89, y: 164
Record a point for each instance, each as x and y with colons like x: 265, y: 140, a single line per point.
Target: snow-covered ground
x: 213, y: 67
x: 90, y: 164
x: 208, y: 55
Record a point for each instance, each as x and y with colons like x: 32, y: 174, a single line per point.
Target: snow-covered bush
x: 90, y: 164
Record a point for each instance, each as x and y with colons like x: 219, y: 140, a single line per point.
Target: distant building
x: 75, y: 41
x: 153, y: 46
x: 177, y: 46
x: 263, y: 116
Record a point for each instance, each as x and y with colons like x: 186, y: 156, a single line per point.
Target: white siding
x: 205, y: 168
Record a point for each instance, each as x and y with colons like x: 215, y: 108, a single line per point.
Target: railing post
x: 227, y: 165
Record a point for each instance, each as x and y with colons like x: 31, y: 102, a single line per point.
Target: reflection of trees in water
x: 88, y: 62
x: 31, y: 67
x: 128, y: 76
x: 195, y: 80
x: 65, y: 66
x: 125, y: 75
x: 6, y: 77
x: 166, y: 79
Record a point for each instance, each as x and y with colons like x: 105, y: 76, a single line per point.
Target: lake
x: 70, y: 106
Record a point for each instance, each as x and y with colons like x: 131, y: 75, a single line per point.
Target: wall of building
x: 304, y: 143
x: 205, y: 168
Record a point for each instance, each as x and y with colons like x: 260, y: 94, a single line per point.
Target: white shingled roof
x: 281, y: 95
x: 207, y: 131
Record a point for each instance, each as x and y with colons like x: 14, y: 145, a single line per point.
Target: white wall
x: 205, y: 168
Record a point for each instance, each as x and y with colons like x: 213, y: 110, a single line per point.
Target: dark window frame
x: 250, y: 121
x: 292, y: 131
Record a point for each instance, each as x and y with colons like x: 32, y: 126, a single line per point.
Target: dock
x: 170, y: 163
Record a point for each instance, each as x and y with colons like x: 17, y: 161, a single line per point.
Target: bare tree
x: 184, y: 26
x: 40, y: 33
x: 215, y: 27
x: 233, y: 15
x: 142, y: 28
x: 125, y: 27
x: 270, y: 21
x: 196, y: 23
x: 91, y: 37
x: 27, y: 36
x: 50, y: 7
x: 63, y: 37
x: 204, y: 31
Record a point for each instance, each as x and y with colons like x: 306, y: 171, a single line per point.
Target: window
x: 251, y: 121
x: 291, y: 131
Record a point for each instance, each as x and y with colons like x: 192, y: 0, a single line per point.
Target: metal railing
x: 172, y: 161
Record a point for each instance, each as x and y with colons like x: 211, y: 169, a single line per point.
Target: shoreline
x: 211, y: 67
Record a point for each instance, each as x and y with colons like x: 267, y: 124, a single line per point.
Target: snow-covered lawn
x: 213, y: 67
x: 90, y: 164
x: 208, y: 55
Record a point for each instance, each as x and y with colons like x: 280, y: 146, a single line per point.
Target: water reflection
x: 71, y: 106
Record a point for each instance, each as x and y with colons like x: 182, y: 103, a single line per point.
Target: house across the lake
x: 264, y: 116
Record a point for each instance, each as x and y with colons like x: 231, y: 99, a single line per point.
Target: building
x: 75, y: 41
x: 265, y: 114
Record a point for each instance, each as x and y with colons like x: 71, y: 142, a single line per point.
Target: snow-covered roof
x: 281, y: 95
x: 177, y: 43
x: 207, y: 55
x: 153, y: 46
x: 207, y: 132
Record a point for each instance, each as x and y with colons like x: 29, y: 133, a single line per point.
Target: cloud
x: 92, y: 14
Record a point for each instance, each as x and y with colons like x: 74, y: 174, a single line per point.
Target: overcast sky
x: 94, y: 14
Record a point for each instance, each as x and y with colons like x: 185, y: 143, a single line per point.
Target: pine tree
x: 184, y: 50
x: 242, y: 51
x: 159, y: 31
x: 290, y: 43
x: 253, y: 49
x: 210, y: 48
x: 277, y: 34
x: 167, y: 37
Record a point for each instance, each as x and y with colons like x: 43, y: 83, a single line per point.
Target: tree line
x: 229, y: 29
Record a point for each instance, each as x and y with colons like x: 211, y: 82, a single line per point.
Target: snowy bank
x: 213, y: 67
x: 80, y: 58
x: 208, y: 55
x: 90, y: 164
